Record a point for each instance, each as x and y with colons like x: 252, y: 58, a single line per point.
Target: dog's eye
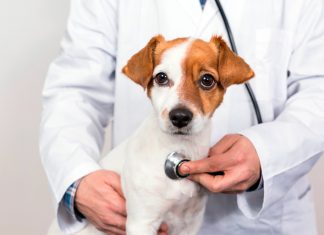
x: 161, y: 79
x: 207, y: 82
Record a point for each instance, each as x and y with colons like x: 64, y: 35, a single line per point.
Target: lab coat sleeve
x: 78, y: 99
x: 290, y: 145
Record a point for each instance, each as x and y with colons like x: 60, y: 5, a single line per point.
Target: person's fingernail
x: 184, y: 169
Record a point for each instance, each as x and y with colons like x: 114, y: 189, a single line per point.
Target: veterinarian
x: 264, y: 189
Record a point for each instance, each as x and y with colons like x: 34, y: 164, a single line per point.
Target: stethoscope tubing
x: 234, y: 49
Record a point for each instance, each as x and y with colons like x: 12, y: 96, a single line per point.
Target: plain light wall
x: 30, y: 32
x: 29, y: 40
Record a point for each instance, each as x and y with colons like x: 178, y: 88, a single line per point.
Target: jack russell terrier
x: 186, y: 80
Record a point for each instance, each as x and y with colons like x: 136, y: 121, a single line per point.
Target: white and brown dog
x: 186, y: 80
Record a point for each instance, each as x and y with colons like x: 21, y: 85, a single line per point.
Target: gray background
x: 30, y: 32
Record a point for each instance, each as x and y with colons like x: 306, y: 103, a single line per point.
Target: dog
x: 186, y: 80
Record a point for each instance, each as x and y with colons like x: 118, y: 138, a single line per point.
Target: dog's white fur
x: 151, y: 197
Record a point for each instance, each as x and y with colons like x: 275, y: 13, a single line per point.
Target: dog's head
x: 186, y: 79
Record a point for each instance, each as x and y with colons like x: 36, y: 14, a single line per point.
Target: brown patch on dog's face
x: 206, y: 61
x: 140, y: 66
x: 201, y: 60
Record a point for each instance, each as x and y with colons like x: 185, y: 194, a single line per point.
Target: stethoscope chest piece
x: 172, y: 164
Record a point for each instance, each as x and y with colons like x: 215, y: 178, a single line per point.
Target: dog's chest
x: 145, y: 162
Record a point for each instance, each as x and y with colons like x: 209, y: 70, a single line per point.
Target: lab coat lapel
x: 234, y: 12
x: 210, y: 13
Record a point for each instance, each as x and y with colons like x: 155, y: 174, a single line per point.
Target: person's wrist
x: 257, y: 185
x: 69, y: 202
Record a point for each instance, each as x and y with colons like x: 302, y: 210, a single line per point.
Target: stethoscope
x: 175, y: 159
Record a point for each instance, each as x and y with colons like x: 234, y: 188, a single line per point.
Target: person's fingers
x: 215, y: 184
x: 164, y: 228
x: 115, y: 182
x: 199, y: 166
x: 222, y: 156
x: 211, y: 164
x: 235, y: 188
x: 117, y: 203
x: 105, y: 221
x: 107, y: 229
x: 114, y: 231
x: 205, y: 180
x: 231, y: 192
x: 224, y: 144
x: 245, y: 180
x: 117, y: 221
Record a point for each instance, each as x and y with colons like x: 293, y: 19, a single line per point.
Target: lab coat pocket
x: 272, y: 52
x: 298, y: 211
x: 304, y: 192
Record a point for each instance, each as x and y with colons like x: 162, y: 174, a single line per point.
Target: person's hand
x: 236, y: 157
x: 100, y: 199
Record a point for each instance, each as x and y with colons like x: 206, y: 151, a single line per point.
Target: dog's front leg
x: 145, y: 212
x: 136, y: 226
x: 142, y: 218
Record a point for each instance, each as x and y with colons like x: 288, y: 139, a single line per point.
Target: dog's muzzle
x: 172, y: 164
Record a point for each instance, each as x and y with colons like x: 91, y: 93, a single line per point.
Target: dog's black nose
x: 180, y: 117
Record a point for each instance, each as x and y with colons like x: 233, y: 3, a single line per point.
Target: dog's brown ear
x: 140, y: 66
x: 232, y: 69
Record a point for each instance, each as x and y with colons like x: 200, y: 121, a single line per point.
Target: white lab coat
x: 85, y: 89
